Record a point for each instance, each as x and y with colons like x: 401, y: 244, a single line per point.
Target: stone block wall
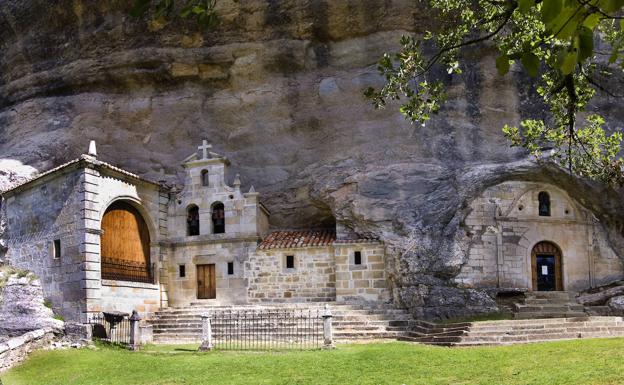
x: 366, y: 281
x: 208, y: 249
x: 313, y: 278
x: 127, y: 296
x: 46, y: 210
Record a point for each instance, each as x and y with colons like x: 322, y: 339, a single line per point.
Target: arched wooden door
x: 546, y: 266
x: 125, y: 244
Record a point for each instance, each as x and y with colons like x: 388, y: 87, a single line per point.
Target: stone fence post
x: 135, y: 332
x: 206, y: 344
x: 328, y: 342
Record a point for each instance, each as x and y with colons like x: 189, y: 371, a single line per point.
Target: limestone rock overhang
x: 84, y: 161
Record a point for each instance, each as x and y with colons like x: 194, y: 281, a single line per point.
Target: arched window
x: 204, y: 178
x: 192, y: 220
x: 544, y: 204
x: 218, y: 218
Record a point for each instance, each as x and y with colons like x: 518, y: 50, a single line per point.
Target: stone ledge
x: 16, y: 349
x: 137, y: 285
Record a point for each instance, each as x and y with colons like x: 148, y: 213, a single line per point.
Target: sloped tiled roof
x: 83, y: 158
x: 298, y: 238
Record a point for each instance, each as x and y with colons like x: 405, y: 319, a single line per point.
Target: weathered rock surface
x: 617, y: 304
x: 278, y: 89
x: 601, y: 297
x: 22, y: 306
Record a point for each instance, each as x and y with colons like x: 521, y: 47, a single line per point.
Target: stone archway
x: 546, y: 267
x: 125, y: 244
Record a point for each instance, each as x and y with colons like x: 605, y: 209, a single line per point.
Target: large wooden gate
x: 206, y: 282
x: 125, y: 244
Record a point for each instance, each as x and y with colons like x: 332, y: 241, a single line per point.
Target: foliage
x: 7, y: 271
x: 577, y: 362
x: 202, y: 11
x: 571, y: 47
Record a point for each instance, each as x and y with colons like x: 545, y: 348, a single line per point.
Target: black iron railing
x: 123, y: 270
x: 110, y: 327
x: 267, y: 329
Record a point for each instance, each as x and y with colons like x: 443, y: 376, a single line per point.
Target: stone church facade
x: 102, y: 238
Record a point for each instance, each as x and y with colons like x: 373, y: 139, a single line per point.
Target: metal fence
x: 122, y: 270
x: 113, y: 328
x: 266, y: 329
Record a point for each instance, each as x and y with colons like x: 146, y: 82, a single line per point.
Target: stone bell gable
x: 208, y: 206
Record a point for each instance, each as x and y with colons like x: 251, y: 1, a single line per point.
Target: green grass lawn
x: 570, y: 362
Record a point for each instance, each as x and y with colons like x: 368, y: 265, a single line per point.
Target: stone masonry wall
x: 217, y: 249
x: 367, y: 281
x: 313, y: 279
x: 127, y: 296
x: 47, y: 210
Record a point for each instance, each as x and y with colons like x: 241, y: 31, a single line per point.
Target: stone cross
x: 204, y: 149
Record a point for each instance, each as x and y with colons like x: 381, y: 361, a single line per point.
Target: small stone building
x: 533, y: 236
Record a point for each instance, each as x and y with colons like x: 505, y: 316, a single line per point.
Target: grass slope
x: 569, y: 362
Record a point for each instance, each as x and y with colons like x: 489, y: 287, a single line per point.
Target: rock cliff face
x: 22, y: 306
x: 277, y: 87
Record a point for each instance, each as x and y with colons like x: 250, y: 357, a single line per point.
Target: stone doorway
x: 546, y: 267
x: 206, y: 282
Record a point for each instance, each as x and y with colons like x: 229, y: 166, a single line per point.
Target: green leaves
x: 554, y: 40
x: 531, y: 63
x: 610, y: 5
x: 203, y: 11
x: 551, y: 9
x: 502, y: 64
x: 585, y: 43
x: 569, y: 62
x: 525, y: 5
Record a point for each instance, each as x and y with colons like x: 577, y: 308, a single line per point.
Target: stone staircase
x: 509, y: 332
x: 548, y: 304
x: 350, y: 321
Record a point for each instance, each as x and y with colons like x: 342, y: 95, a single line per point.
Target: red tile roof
x: 298, y: 238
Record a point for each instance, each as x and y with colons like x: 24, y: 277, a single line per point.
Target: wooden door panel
x: 206, y: 282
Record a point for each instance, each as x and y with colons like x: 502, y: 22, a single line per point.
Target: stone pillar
x: 89, y: 244
x: 135, y: 332
x: 328, y: 342
x: 206, y: 344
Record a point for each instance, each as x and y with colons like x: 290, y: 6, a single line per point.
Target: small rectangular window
x: 57, y: 249
x: 357, y: 258
x: 230, y: 268
x: 182, y: 270
x: 290, y: 261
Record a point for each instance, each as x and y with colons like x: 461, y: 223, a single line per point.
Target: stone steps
x: 548, y: 304
x: 349, y: 321
x: 518, y: 331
